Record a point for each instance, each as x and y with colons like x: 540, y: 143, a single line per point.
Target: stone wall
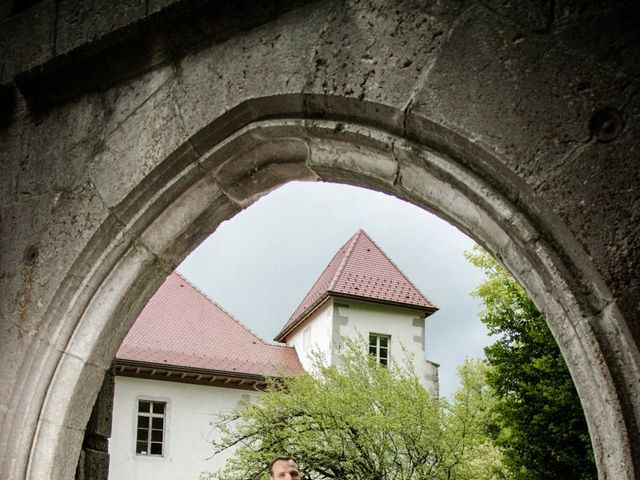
x: 131, y: 129
x: 93, y: 463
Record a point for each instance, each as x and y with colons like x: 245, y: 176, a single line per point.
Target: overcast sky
x: 260, y: 264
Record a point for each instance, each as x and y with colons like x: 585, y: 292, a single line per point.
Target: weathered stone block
x: 215, y: 80
x: 63, y: 465
x: 264, y: 167
x: 376, y: 50
x: 77, y: 214
x: 123, y: 101
x: 95, y: 465
x: 611, y: 237
x: 68, y: 387
x: 61, y: 143
x: 188, y: 220
x: 26, y: 39
x: 496, y: 87
x: 527, y: 16
x: 17, y: 399
x: 114, y: 305
x: 605, y: 34
x: 80, y: 470
x: 101, y: 415
x: 144, y: 139
x: 352, y: 154
x: 80, y: 23
x: 354, y: 110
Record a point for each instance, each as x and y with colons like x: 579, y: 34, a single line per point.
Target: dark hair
x: 277, y: 459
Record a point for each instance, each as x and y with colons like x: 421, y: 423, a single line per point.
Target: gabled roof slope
x: 360, y: 269
x: 180, y: 326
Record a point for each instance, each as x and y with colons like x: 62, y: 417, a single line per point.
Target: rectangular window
x: 150, y: 430
x: 379, y: 347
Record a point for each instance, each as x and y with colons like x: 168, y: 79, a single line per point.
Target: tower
x: 361, y: 292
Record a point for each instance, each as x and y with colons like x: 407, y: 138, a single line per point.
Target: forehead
x: 284, y: 466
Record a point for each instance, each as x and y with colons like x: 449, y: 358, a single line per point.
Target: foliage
x: 539, y: 421
x: 468, y: 422
x: 362, y: 421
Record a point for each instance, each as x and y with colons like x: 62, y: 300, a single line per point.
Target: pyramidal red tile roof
x: 360, y: 269
x: 180, y: 326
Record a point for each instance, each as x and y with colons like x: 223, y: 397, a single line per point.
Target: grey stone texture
x: 27, y: 39
x: 93, y: 463
x: 80, y: 23
x: 132, y: 129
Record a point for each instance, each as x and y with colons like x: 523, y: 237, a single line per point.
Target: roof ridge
x: 300, y: 309
x: 398, y: 268
x: 353, y: 240
x: 224, y: 310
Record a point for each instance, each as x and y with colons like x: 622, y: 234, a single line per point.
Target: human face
x: 285, y: 470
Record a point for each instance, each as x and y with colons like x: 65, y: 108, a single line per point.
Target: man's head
x: 284, y: 468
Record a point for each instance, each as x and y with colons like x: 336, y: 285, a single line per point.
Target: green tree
x: 539, y: 422
x: 468, y: 423
x: 362, y: 421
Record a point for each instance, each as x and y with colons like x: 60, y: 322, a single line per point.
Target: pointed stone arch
x: 189, y: 193
x: 515, y: 123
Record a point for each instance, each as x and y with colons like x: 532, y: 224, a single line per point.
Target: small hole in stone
x: 31, y: 255
x: 608, y: 127
x: 606, y: 124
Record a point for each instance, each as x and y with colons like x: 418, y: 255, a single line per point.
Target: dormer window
x: 379, y: 347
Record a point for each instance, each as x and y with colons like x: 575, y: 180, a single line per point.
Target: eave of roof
x: 327, y: 295
x: 182, y: 374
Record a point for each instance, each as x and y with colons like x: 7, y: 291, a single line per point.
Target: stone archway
x: 264, y: 153
x: 140, y: 173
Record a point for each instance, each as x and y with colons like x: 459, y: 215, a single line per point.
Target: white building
x: 186, y: 359
x: 363, y: 293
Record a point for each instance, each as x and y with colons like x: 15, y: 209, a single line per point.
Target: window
x: 150, y: 431
x: 379, y: 347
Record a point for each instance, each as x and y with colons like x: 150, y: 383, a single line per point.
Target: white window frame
x: 152, y: 414
x: 378, y: 348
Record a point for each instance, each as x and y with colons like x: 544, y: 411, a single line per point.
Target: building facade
x: 186, y: 359
x: 363, y: 294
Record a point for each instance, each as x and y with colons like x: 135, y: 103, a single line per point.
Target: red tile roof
x: 180, y: 326
x: 360, y: 269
